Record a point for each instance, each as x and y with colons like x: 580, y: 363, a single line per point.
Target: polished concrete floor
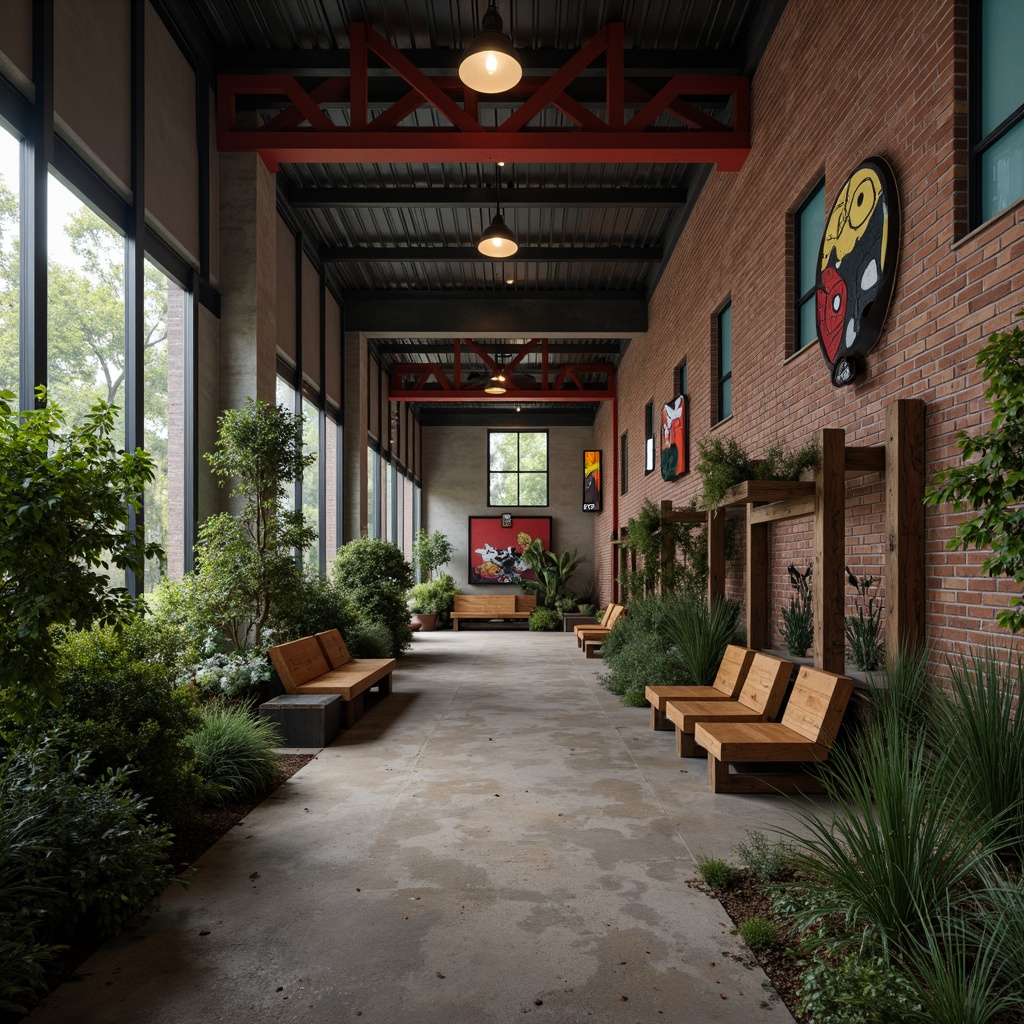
x: 497, y: 841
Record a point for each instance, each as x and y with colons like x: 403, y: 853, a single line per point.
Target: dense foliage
x: 992, y: 487
x: 434, y: 598
x: 430, y: 552
x: 722, y: 464
x: 64, y: 492
x: 552, y: 571
x: 797, y: 628
x: 544, y: 620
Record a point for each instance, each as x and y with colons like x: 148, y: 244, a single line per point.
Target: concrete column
x: 355, y: 463
x: 248, y: 280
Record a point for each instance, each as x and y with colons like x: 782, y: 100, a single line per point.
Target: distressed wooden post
x: 716, y: 554
x: 829, y: 586
x: 904, y: 524
x: 757, y: 596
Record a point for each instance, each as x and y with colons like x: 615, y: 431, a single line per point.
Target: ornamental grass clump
x: 759, y: 933
x: 234, y: 753
x: 700, y: 633
x: 864, y: 628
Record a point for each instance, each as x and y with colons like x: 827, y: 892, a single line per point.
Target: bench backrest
x: 526, y: 602
x: 765, y: 686
x: 618, y: 610
x: 495, y: 604
x: 298, y: 662
x: 817, y: 704
x: 733, y: 670
x: 607, y: 614
x: 333, y: 645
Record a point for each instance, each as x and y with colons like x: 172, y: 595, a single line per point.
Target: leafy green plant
x: 864, y: 629
x: 434, y: 598
x: 64, y: 495
x: 315, y: 606
x: 700, y: 634
x: 759, y: 933
x: 430, y: 552
x: 369, y: 640
x: 375, y: 576
x: 118, y: 701
x: 77, y: 852
x: 993, y: 485
x: 862, y: 988
x: 544, y: 620
x: 552, y: 570
x: 716, y: 872
x: 767, y: 862
x: 234, y: 752
x: 797, y: 628
x: 232, y: 675
x: 246, y: 569
x: 722, y: 464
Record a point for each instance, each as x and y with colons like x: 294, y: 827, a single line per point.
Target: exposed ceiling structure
x: 390, y: 165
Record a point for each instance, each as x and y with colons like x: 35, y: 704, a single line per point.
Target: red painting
x: 496, y: 551
x: 673, y: 438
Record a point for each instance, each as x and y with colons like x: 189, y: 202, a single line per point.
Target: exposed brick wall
x: 839, y: 82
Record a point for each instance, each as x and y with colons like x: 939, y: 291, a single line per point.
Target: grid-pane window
x: 517, y: 467
x: 810, y: 227
x: 372, y: 502
x: 999, y: 128
x: 725, y: 363
x: 286, y: 398
x: 163, y: 410
x: 10, y: 285
x: 332, y: 446
x: 623, y: 463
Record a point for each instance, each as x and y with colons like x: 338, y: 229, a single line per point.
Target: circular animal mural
x: 857, y: 268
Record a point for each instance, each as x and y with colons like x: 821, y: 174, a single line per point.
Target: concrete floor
x: 498, y: 840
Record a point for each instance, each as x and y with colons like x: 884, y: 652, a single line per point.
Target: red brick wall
x: 838, y: 83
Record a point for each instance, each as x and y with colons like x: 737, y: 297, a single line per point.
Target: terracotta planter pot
x: 422, y: 622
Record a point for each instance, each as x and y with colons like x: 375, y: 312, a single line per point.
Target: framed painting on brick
x: 592, y: 481
x: 496, y: 551
x: 673, y: 438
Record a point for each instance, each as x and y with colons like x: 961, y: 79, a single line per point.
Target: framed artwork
x: 496, y: 551
x: 592, y: 481
x: 673, y: 438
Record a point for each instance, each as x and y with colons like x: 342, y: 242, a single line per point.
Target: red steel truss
x: 428, y: 382
x: 305, y: 133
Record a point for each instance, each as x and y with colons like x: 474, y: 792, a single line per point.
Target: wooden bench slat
x: 729, y: 679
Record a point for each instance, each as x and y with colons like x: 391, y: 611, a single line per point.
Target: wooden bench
x: 760, y: 699
x: 727, y: 685
x: 598, y: 633
x: 805, y: 734
x: 322, y: 664
x: 485, y: 606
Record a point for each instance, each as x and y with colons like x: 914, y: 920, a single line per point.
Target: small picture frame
x: 506, y: 520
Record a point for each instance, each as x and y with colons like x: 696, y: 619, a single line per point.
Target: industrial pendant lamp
x: 497, y: 382
x: 491, y: 64
x: 497, y: 241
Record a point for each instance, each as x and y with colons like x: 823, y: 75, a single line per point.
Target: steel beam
x: 499, y: 347
x: 432, y: 198
x: 451, y: 254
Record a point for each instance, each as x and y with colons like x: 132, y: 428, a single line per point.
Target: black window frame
x: 649, y: 435
x: 624, y: 462
x: 721, y: 416
x: 801, y: 298
x: 980, y: 145
x: 521, y: 472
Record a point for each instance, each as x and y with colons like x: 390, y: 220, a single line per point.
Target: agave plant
x: 552, y: 570
x: 701, y: 634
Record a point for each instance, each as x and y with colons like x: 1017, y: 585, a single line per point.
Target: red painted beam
x: 510, y: 397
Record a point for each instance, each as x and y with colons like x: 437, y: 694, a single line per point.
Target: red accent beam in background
x: 304, y: 132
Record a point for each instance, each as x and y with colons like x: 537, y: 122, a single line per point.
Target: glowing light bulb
x: 496, y: 242
x: 491, y: 63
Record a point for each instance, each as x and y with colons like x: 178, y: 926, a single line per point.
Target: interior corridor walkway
x: 497, y: 841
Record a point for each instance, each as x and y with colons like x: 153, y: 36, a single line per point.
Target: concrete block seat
x: 760, y: 699
x: 727, y: 685
x: 322, y: 664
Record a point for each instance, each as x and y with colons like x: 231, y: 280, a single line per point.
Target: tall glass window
x: 517, y: 467
x: 725, y: 363
x: 10, y: 270
x: 649, y: 438
x: 998, y: 131
x: 285, y: 396
x: 624, y: 463
x: 372, y: 494
x: 311, y: 480
x: 809, y: 225
x: 164, y: 422
x: 332, y: 446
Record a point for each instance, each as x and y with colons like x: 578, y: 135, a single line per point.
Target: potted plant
x: 552, y: 571
x: 430, y: 552
x: 429, y: 601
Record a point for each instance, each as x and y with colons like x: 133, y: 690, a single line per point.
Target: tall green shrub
x: 375, y: 576
x: 700, y: 633
x: 65, y: 491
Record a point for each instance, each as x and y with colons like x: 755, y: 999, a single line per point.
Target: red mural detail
x: 831, y: 310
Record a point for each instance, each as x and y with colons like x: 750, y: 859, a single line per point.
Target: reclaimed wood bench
x: 759, y: 700
x: 484, y: 607
x: 598, y: 633
x: 322, y: 664
x: 726, y: 686
x: 804, y: 736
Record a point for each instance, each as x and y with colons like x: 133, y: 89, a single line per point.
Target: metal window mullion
x: 297, y: 394
x: 36, y: 158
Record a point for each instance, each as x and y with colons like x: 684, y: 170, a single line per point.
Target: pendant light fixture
x: 496, y: 386
x: 491, y: 65
x: 497, y: 241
